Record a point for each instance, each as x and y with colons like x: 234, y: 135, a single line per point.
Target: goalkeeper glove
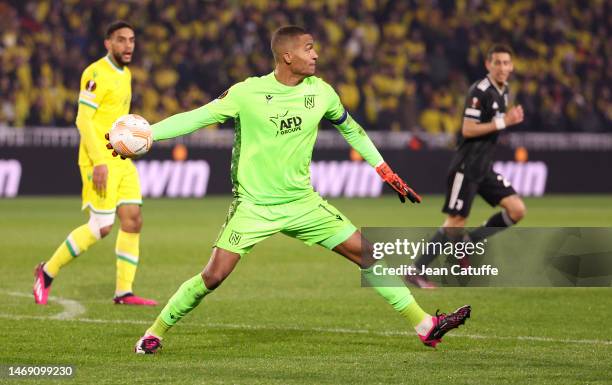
x: 393, y: 180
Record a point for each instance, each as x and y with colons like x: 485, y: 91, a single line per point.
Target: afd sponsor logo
x: 286, y: 124
x: 173, y: 179
x: 527, y: 178
x: 345, y: 178
x: 10, y: 177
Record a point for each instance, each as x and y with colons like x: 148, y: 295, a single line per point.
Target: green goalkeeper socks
x: 192, y: 291
x: 397, y: 295
x: 187, y: 297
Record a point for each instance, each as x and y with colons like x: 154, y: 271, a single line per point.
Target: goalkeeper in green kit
x: 276, y: 120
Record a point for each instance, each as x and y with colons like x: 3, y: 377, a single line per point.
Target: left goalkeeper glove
x: 393, y: 180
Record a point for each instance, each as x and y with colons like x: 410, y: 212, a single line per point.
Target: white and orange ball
x: 131, y: 136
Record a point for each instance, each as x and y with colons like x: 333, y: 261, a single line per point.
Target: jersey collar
x: 112, y: 64
x: 284, y: 86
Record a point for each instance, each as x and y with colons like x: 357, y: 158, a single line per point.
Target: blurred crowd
x: 397, y: 65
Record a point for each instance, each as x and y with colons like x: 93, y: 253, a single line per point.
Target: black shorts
x: 461, y: 191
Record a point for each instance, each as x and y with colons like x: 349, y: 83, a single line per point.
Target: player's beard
x: 501, y: 81
x: 119, y: 60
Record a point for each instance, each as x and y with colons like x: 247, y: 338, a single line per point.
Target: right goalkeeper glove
x: 393, y: 180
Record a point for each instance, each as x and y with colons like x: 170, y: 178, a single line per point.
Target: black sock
x: 493, y: 225
x: 430, y: 255
x: 48, y: 279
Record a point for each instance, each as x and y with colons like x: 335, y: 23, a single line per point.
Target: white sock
x: 424, y: 326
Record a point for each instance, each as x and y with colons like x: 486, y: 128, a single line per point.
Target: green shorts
x: 310, y: 219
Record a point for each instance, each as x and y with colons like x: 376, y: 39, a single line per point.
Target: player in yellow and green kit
x: 109, y: 185
x: 277, y: 118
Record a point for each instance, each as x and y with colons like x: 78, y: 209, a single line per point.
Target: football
x: 131, y: 136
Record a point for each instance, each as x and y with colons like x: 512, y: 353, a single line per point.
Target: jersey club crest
x: 309, y: 101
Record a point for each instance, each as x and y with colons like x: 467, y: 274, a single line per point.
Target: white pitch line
x: 72, y: 308
x: 403, y: 333
x: 84, y: 320
x: 314, y: 329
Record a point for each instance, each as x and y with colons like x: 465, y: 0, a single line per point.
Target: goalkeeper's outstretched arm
x: 356, y: 136
x: 217, y: 111
x: 183, y: 123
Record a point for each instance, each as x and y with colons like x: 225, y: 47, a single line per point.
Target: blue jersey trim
x: 341, y: 120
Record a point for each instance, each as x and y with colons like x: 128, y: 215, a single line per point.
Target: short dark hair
x: 115, y: 25
x: 499, y: 48
x: 282, y: 34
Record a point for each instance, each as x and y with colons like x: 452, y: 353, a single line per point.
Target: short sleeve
x: 336, y: 113
x: 475, y: 105
x: 226, y: 105
x: 93, y: 89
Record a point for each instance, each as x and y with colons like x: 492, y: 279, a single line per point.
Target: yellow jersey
x: 105, y: 95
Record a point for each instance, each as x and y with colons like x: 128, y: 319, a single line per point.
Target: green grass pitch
x: 289, y: 314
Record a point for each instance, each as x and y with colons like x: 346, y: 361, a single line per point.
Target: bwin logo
x: 286, y: 125
x: 345, y: 178
x: 173, y: 179
x: 527, y: 178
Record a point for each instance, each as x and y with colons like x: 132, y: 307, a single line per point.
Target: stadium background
x: 398, y: 65
x: 402, y: 68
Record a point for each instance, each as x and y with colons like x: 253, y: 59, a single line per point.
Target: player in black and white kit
x: 471, y: 172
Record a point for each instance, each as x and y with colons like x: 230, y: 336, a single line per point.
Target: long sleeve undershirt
x: 93, y: 144
x: 188, y: 122
x: 356, y: 136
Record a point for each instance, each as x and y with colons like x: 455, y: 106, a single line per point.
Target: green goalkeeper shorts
x: 311, y: 220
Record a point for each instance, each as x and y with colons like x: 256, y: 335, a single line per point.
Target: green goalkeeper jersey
x: 275, y: 132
